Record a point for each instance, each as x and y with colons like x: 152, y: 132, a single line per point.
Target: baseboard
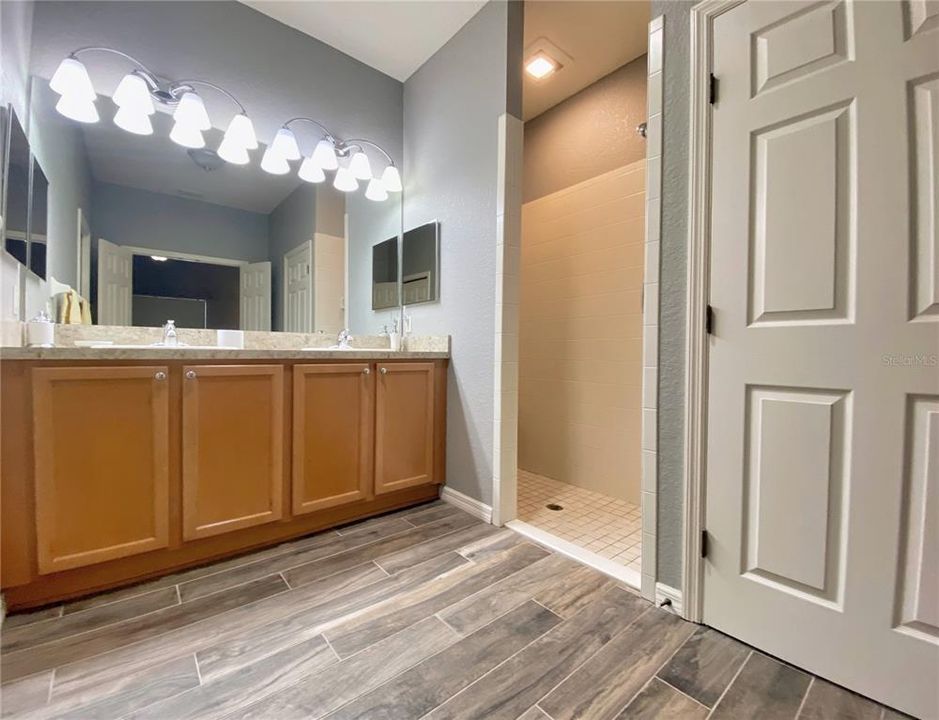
x: 465, y: 502
x: 608, y: 567
x: 666, y: 592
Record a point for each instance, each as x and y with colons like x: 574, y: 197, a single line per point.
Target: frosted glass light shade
x: 78, y: 109
x: 133, y: 95
x: 324, y: 155
x: 133, y: 122
x: 285, y: 145
x: 241, y: 133
x: 274, y: 164
x: 191, y: 112
x: 232, y: 152
x: 391, y: 179
x: 359, y: 166
x: 345, y: 180
x: 311, y: 172
x: 188, y: 137
x: 71, y: 78
x: 376, y: 190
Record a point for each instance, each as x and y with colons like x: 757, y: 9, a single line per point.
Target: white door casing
x: 255, y: 296
x: 822, y: 466
x: 115, y: 284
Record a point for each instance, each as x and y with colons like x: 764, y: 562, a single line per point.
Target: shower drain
x: 554, y: 506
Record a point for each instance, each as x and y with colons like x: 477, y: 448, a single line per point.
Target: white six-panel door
x: 255, y: 296
x: 298, y: 288
x: 823, y: 392
x: 115, y: 284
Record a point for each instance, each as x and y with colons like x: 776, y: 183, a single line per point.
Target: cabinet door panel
x: 101, y: 459
x: 233, y: 421
x: 404, y: 426
x: 332, y: 435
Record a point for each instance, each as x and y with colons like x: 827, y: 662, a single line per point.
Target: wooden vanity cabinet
x: 404, y: 425
x: 100, y: 438
x: 233, y: 447
x: 333, y: 416
x: 116, y: 472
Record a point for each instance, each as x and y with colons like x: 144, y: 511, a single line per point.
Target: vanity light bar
x: 138, y: 90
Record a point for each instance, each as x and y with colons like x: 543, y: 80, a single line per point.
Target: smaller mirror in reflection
x: 385, y: 274
x: 16, y: 209
x: 38, y: 220
x: 420, y: 276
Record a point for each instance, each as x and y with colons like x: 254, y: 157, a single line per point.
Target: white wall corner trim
x: 505, y: 357
x: 666, y: 592
x: 466, y: 503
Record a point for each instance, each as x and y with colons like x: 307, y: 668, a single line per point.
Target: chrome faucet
x: 345, y: 339
x: 169, y: 334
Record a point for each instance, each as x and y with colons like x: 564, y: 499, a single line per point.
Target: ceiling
x: 597, y: 36
x: 393, y: 36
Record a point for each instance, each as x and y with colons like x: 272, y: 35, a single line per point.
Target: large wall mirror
x: 149, y: 229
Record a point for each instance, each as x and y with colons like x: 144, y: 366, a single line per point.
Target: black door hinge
x: 709, y: 320
x: 704, y: 543
x: 712, y: 89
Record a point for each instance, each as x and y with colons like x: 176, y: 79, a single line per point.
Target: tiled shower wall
x: 580, y: 337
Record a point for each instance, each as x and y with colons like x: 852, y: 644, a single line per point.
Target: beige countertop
x: 184, y: 353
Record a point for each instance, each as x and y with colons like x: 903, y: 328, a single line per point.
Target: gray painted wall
x: 58, y: 146
x: 16, y: 28
x: 127, y: 216
x: 291, y: 223
x: 452, y: 105
x: 369, y: 224
x: 276, y: 71
x: 673, y: 287
x: 590, y: 133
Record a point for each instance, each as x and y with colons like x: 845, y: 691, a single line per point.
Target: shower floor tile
x: 610, y: 527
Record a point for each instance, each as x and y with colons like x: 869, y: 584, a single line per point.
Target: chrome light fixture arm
x: 326, y: 134
x: 178, y: 87
x: 358, y: 142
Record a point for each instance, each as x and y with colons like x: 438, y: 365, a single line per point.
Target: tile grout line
x: 545, y: 712
x: 195, y: 659
x: 678, y: 690
x: 655, y: 675
x: 538, y: 602
x: 286, y: 582
x: 730, y: 684
x: 145, y: 640
x: 51, y: 685
x: 329, y: 645
x: 805, y: 697
x: 492, y: 670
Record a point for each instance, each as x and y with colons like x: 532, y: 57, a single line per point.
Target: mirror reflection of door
x: 385, y: 274
x: 420, y: 261
x: 298, y: 293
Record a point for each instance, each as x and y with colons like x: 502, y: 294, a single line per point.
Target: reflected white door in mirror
x: 255, y: 296
x: 298, y: 294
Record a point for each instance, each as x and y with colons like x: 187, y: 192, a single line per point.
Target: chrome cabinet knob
x: 160, y: 376
x: 384, y: 371
x: 366, y: 370
x: 190, y: 374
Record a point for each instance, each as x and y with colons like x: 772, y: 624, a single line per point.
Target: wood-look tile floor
x: 423, y: 613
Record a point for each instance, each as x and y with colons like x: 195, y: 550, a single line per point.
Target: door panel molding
x: 199, y: 485
x: 64, y: 544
